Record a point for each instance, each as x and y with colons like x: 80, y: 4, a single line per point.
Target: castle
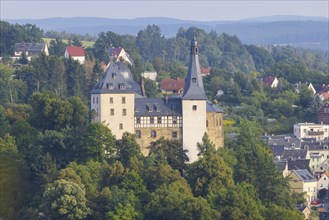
x: 118, y: 101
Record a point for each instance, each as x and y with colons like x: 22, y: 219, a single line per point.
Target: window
x: 174, y: 134
x: 93, y: 100
x: 111, y: 99
x: 121, y: 126
x: 123, y: 101
x: 138, y: 134
x: 124, y: 112
x: 153, y: 134
x: 112, y: 111
x: 159, y: 120
x: 174, y: 119
x: 114, y: 75
x: 97, y: 100
x: 193, y: 80
x: 151, y: 120
x: 207, y: 123
x: 138, y: 120
x: 194, y: 107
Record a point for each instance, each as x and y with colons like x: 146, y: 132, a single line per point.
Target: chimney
x: 142, y: 86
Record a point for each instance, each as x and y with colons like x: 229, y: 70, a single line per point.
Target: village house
x: 172, y: 86
x: 311, y: 130
x: 119, y: 54
x: 323, y: 114
x: 303, y: 181
x: 271, y: 81
x: 30, y: 50
x: 307, y: 84
x: 76, y: 53
x: 323, y: 182
x: 323, y: 92
x: 186, y: 118
x: 152, y: 75
x: 205, y: 71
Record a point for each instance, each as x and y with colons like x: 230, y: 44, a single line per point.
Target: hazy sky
x: 183, y: 9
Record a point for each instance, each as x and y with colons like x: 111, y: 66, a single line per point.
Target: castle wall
x: 146, y: 136
x: 215, y: 128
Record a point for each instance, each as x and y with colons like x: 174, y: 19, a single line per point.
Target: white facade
x: 150, y: 75
x: 194, y: 119
x: 116, y: 111
x: 311, y: 130
x: 81, y: 59
x: 323, y: 182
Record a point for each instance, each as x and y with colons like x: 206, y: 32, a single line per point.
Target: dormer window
x: 156, y: 107
x: 114, y: 75
x: 122, y: 86
x: 109, y: 86
x: 136, y: 109
x: 193, y: 80
x: 149, y: 107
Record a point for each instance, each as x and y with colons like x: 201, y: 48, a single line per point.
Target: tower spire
x: 193, y: 83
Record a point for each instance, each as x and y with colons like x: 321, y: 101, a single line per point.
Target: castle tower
x: 113, y: 100
x: 194, y: 103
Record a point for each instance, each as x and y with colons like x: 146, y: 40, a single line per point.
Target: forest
x: 56, y: 164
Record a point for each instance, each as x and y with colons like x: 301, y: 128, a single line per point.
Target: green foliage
x: 64, y: 199
x: 57, y: 47
x: 151, y: 89
x: 126, y: 148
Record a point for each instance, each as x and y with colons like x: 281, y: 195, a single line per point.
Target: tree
x: 57, y: 47
x: 64, y: 199
x: 206, y: 148
x: 127, y: 148
x: 151, y: 88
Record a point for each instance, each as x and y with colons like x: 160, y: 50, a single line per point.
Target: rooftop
x: 305, y: 175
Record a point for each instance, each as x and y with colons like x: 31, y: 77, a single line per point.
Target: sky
x: 183, y: 9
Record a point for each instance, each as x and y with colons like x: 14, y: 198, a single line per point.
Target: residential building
x: 271, y: 81
x: 307, y: 84
x: 323, y: 181
x: 323, y: 92
x: 119, y: 104
x: 323, y: 114
x: 119, y: 54
x: 205, y: 71
x: 303, y: 181
x: 311, y: 130
x: 76, y: 53
x: 305, y: 210
x: 152, y: 75
x: 30, y: 49
x: 172, y: 86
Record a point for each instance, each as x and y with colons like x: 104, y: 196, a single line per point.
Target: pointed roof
x: 113, y: 82
x: 75, y: 51
x: 193, y: 89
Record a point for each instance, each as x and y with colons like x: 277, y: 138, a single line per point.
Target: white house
x: 152, y: 75
x: 323, y: 182
x: 120, y: 54
x: 76, y: 53
x: 271, y: 81
x: 311, y: 130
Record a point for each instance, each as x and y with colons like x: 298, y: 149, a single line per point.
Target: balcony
x: 314, y: 133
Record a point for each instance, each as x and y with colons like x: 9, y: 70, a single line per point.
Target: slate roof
x: 158, y: 106
x: 31, y: 48
x: 75, y: 51
x: 113, y: 82
x: 284, y: 140
x: 295, y: 164
x: 294, y: 153
x: 277, y: 150
x: 305, y: 175
x: 281, y: 164
x: 172, y: 84
x: 211, y: 107
x: 315, y: 145
x: 114, y: 51
x: 193, y: 89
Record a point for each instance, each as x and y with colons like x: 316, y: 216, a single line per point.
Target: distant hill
x: 311, y: 32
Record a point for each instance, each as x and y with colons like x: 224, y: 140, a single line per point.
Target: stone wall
x: 215, y: 128
x: 145, y: 139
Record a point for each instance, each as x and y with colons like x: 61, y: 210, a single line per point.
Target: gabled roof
x: 205, y: 70
x: 172, y: 84
x: 304, y: 175
x: 114, y: 51
x: 193, y: 89
x: 31, y: 48
x: 296, y: 164
x: 277, y: 150
x: 294, y: 153
x: 211, y: 107
x: 322, y: 109
x: 281, y: 164
x: 268, y: 81
x: 75, y: 51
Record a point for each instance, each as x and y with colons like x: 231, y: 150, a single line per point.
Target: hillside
x: 310, y: 32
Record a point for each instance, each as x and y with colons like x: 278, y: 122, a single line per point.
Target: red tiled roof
x: 116, y: 51
x: 172, y: 84
x: 75, y: 51
x: 268, y: 81
x: 205, y: 70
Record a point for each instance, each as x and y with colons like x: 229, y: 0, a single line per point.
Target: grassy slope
x: 84, y: 43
